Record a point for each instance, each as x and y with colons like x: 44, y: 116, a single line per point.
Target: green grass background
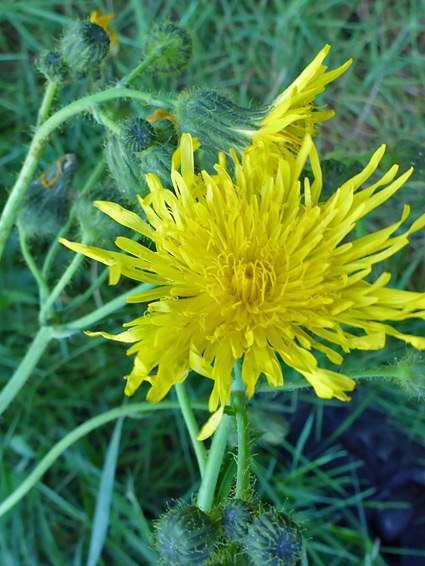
x: 250, y: 51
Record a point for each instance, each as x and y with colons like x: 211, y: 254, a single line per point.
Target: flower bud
x: 215, y: 121
x: 137, y: 134
x: 185, y: 537
x: 157, y: 160
x: 274, y: 540
x: 165, y: 132
x: 51, y: 65
x: 237, y: 516
x: 96, y: 227
x: 172, y: 45
x: 124, y: 168
x: 83, y: 47
x: 46, y: 204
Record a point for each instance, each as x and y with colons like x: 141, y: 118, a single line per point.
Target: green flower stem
x: 41, y: 282
x: 61, y: 331
x: 192, y: 426
x: 140, y: 68
x: 46, y: 104
x: 89, y: 292
x: 56, y: 245
x: 214, y: 461
x: 238, y: 400
x: 42, y: 135
x: 104, y: 120
x: 28, y: 363
x: 72, y: 437
x: 67, y: 275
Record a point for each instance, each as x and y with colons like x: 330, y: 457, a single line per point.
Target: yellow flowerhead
x: 256, y: 268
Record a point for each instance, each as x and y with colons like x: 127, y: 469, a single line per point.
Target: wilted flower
x: 221, y: 125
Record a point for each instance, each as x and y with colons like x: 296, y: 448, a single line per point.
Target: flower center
x: 251, y: 281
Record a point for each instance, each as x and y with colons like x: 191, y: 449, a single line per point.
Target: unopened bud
x: 237, y: 516
x: 165, y: 132
x: 83, y: 47
x: 274, y: 540
x: 137, y: 134
x: 51, y: 65
x: 124, y: 168
x: 172, y: 45
x: 157, y: 160
x: 46, y: 205
x: 97, y: 227
x: 185, y: 537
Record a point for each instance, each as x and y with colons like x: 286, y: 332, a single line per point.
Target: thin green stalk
x: 129, y: 79
x: 244, y: 458
x: 61, y: 331
x: 72, y: 437
x: 41, y: 137
x: 88, y: 292
x: 66, y: 277
x: 90, y: 183
x: 28, y: 363
x: 214, y: 461
x: 46, y: 104
x: 192, y: 427
x: 104, y: 120
x: 41, y: 282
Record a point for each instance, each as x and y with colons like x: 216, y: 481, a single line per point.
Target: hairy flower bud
x: 185, y: 537
x: 83, y: 47
x: 172, y: 45
x: 51, y: 65
x: 237, y: 516
x: 218, y: 123
x: 137, y: 134
x: 124, y: 168
x: 45, y: 207
x: 157, y: 160
x: 274, y: 540
x: 165, y: 132
x: 96, y: 227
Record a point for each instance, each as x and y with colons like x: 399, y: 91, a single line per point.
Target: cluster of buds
x: 240, y: 533
x: 82, y: 48
x: 140, y: 148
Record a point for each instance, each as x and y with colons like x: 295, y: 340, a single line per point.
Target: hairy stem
x: 46, y: 104
x: 41, y: 282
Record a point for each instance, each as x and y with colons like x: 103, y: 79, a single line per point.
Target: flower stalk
x: 214, y: 461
